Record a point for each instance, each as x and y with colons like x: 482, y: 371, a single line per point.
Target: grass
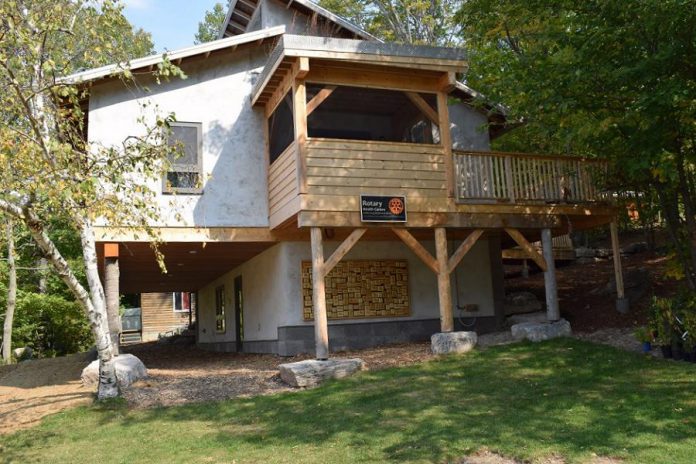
x: 528, y: 401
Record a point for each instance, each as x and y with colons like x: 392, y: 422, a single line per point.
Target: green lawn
x: 527, y: 401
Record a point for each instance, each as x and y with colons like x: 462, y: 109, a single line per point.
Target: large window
x: 281, y: 128
x: 356, y: 113
x: 184, y: 302
x: 220, y: 309
x: 185, y: 170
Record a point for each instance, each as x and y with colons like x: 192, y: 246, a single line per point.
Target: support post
x: 443, y: 281
x: 321, y: 329
x: 112, y: 292
x: 552, y: 311
x: 621, y: 301
x: 525, y: 269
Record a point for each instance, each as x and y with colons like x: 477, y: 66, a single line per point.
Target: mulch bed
x: 182, y: 374
x: 584, y: 306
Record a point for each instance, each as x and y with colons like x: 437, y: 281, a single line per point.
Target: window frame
x: 186, y: 167
x: 191, y: 304
x: 220, y: 305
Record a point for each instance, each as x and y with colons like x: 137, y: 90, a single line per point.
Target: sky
x: 172, y: 23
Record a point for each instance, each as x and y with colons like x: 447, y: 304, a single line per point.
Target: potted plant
x: 690, y: 339
x: 661, y: 321
x: 645, y: 337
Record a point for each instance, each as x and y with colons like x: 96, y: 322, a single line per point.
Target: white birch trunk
x: 107, y: 371
x: 96, y: 314
x: 11, y: 295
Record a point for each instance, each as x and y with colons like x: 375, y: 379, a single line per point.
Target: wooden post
x: 525, y: 269
x: 112, y: 292
x: 321, y: 328
x: 443, y: 281
x: 552, y: 311
x: 300, y: 116
x: 621, y: 301
x: 446, y: 141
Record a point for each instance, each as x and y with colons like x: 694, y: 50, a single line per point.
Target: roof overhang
x: 292, y: 50
x: 498, y: 122
x: 241, y: 13
x: 176, y: 57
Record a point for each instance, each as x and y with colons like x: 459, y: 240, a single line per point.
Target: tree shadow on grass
x: 562, y: 397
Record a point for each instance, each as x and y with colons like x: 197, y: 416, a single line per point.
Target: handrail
x: 523, y: 178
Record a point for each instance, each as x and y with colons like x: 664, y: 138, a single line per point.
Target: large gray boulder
x: 128, y: 370
x: 24, y: 353
x: 453, y: 342
x: 540, y: 331
x: 312, y: 372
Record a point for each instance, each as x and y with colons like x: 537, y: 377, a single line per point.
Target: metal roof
x: 392, y: 54
x: 196, y: 50
x: 241, y: 13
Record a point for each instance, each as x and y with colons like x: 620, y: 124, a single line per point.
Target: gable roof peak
x: 241, y: 13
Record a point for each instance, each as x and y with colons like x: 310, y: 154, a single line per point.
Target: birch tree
x: 11, y: 293
x: 52, y: 171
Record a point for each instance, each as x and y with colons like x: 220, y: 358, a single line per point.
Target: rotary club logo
x: 396, y: 206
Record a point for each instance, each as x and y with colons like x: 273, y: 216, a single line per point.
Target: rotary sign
x: 377, y: 208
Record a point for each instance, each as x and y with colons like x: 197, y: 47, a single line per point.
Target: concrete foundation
x: 299, y: 339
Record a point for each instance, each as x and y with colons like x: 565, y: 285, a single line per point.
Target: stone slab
x: 128, y: 370
x: 312, y: 372
x: 453, y: 342
x: 540, y: 331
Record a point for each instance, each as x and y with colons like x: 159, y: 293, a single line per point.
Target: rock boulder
x: 453, y: 342
x: 128, y: 370
x: 312, y: 372
x: 540, y: 331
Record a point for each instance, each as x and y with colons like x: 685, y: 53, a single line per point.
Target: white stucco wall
x: 273, y: 294
x: 468, y: 128
x: 215, y: 94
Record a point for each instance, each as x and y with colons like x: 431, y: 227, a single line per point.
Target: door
x: 239, y: 313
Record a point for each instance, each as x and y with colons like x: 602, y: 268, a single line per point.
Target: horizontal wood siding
x: 158, y: 314
x: 282, y: 185
x: 343, y: 168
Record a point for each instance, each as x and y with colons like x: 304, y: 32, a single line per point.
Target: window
x: 220, y: 310
x: 356, y: 113
x: 281, y: 128
x: 185, y: 170
x: 184, y: 301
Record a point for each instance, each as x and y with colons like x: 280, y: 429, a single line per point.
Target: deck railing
x: 522, y: 178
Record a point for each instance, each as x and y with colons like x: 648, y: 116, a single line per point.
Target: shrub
x: 50, y: 325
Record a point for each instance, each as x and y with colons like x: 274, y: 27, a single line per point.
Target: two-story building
x: 335, y: 191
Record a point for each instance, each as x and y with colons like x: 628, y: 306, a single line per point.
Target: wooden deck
x: 319, y: 182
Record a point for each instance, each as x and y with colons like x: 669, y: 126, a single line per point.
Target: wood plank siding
x: 283, y: 185
x: 349, y: 168
x: 337, y: 172
x: 158, y: 315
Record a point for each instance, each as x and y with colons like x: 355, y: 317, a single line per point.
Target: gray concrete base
x: 537, y: 332
x: 298, y: 339
x: 622, y: 305
x: 312, y: 372
x: 128, y: 370
x: 453, y: 342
